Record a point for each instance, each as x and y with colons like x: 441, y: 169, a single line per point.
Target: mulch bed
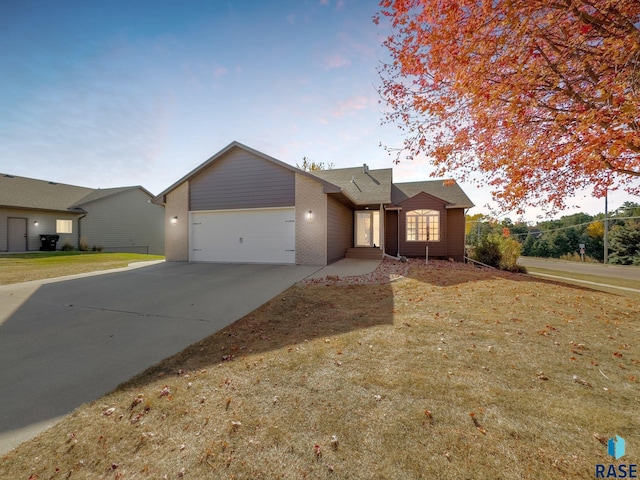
x: 388, y: 271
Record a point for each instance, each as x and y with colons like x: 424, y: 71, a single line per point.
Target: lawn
x: 40, y: 265
x: 449, y: 372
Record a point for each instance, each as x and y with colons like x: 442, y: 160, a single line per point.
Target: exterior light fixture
x: 35, y: 223
x: 174, y: 220
x: 309, y: 215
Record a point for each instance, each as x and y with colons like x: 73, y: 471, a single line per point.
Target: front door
x: 367, y: 228
x: 17, y: 235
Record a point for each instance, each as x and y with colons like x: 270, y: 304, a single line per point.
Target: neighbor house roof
x: 23, y: 192
x: 447, y: 190
x: 366, y: 187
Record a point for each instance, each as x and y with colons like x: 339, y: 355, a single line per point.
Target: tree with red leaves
x: 542, y: 97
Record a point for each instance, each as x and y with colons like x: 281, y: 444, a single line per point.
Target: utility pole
x: 606, y: 228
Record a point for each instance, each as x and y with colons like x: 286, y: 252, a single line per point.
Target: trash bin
x: 48, y: 242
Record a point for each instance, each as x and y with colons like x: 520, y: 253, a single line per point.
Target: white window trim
x: 64, y: 225
x: 430, y: 217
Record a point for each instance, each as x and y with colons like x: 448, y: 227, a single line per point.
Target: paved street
x: 613, y: 271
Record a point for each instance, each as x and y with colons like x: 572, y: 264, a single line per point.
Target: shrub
x: 488, y: 251
x: 67, y: 247
x: 510, y: 250
x: 499, y: 252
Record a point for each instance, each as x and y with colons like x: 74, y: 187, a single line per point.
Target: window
x: 423, y: 226
x: 64, y: 226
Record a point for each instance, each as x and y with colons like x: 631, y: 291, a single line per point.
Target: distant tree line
x: 561, y: 238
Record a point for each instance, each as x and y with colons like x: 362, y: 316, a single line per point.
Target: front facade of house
x: 244, y: 206
x: 113, y: 219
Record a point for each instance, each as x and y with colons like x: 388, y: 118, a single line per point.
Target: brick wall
x: 311, y: 235
x: 177, y: 234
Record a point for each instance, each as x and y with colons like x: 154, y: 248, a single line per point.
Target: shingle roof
x: 364, y: 187
x: 23, y: 192
x: 449, y: 192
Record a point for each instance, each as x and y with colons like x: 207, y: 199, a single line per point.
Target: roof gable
x: 102, y: 193
x: 328, y: 187
x: 449, y: 193
x: 425, y: 195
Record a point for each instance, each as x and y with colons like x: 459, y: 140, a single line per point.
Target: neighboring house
x: 244, y: 206
x: 114, y: 219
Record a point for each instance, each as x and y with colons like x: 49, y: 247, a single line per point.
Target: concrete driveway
x: 67, y: 342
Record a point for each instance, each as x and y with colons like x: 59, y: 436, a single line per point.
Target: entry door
x: 17, y: 241
x: 367, y: 228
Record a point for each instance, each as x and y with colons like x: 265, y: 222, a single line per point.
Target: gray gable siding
x: 241, y: 179
x: 125, y: 222
x: 339, y: 229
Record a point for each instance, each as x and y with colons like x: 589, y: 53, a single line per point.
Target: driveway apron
x: 68, y: 342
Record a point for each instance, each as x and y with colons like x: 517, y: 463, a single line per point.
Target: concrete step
x: 367, y: 253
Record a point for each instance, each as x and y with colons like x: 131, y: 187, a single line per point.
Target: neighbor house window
x: 64, y: 226
x: 423, y: 226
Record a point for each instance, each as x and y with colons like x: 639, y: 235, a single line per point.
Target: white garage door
x: 244, y: 236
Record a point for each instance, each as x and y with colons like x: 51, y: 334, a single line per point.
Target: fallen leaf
x: 601, y: 438
x: 577, y: 379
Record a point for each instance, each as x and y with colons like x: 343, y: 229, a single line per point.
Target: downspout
x: 398, y: 217
x: 464, y: 246
x: 80, y: 229
x: 382, y: 227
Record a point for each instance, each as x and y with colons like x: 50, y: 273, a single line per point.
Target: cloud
x: 219, y: 71
x: 336, y: 60
x: 351, y: 105
x: 324, y: 2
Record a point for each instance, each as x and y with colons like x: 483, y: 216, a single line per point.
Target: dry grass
x: 15, y: 268
x: 450, y: 373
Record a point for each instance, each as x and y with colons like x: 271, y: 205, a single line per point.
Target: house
x: 244, y: 206
x: 114, y: 219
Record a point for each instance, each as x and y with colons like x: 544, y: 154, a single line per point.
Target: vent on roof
x: 53, y: 183
x: 365, y: 168
x: 9, y: 176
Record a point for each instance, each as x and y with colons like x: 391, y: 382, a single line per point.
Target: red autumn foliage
x: 541, y: 97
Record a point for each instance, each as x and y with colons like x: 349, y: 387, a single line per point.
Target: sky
x: 118, y: 93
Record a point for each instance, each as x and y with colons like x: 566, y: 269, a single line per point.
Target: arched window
x: 423, y: 226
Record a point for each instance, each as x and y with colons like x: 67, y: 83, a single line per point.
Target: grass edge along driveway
x: 16, y: 268
x: 451, y: 372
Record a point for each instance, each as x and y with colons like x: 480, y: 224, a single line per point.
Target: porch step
x: 367, y: 253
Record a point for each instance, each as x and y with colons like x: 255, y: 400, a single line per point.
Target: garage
x: 264, y: 235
